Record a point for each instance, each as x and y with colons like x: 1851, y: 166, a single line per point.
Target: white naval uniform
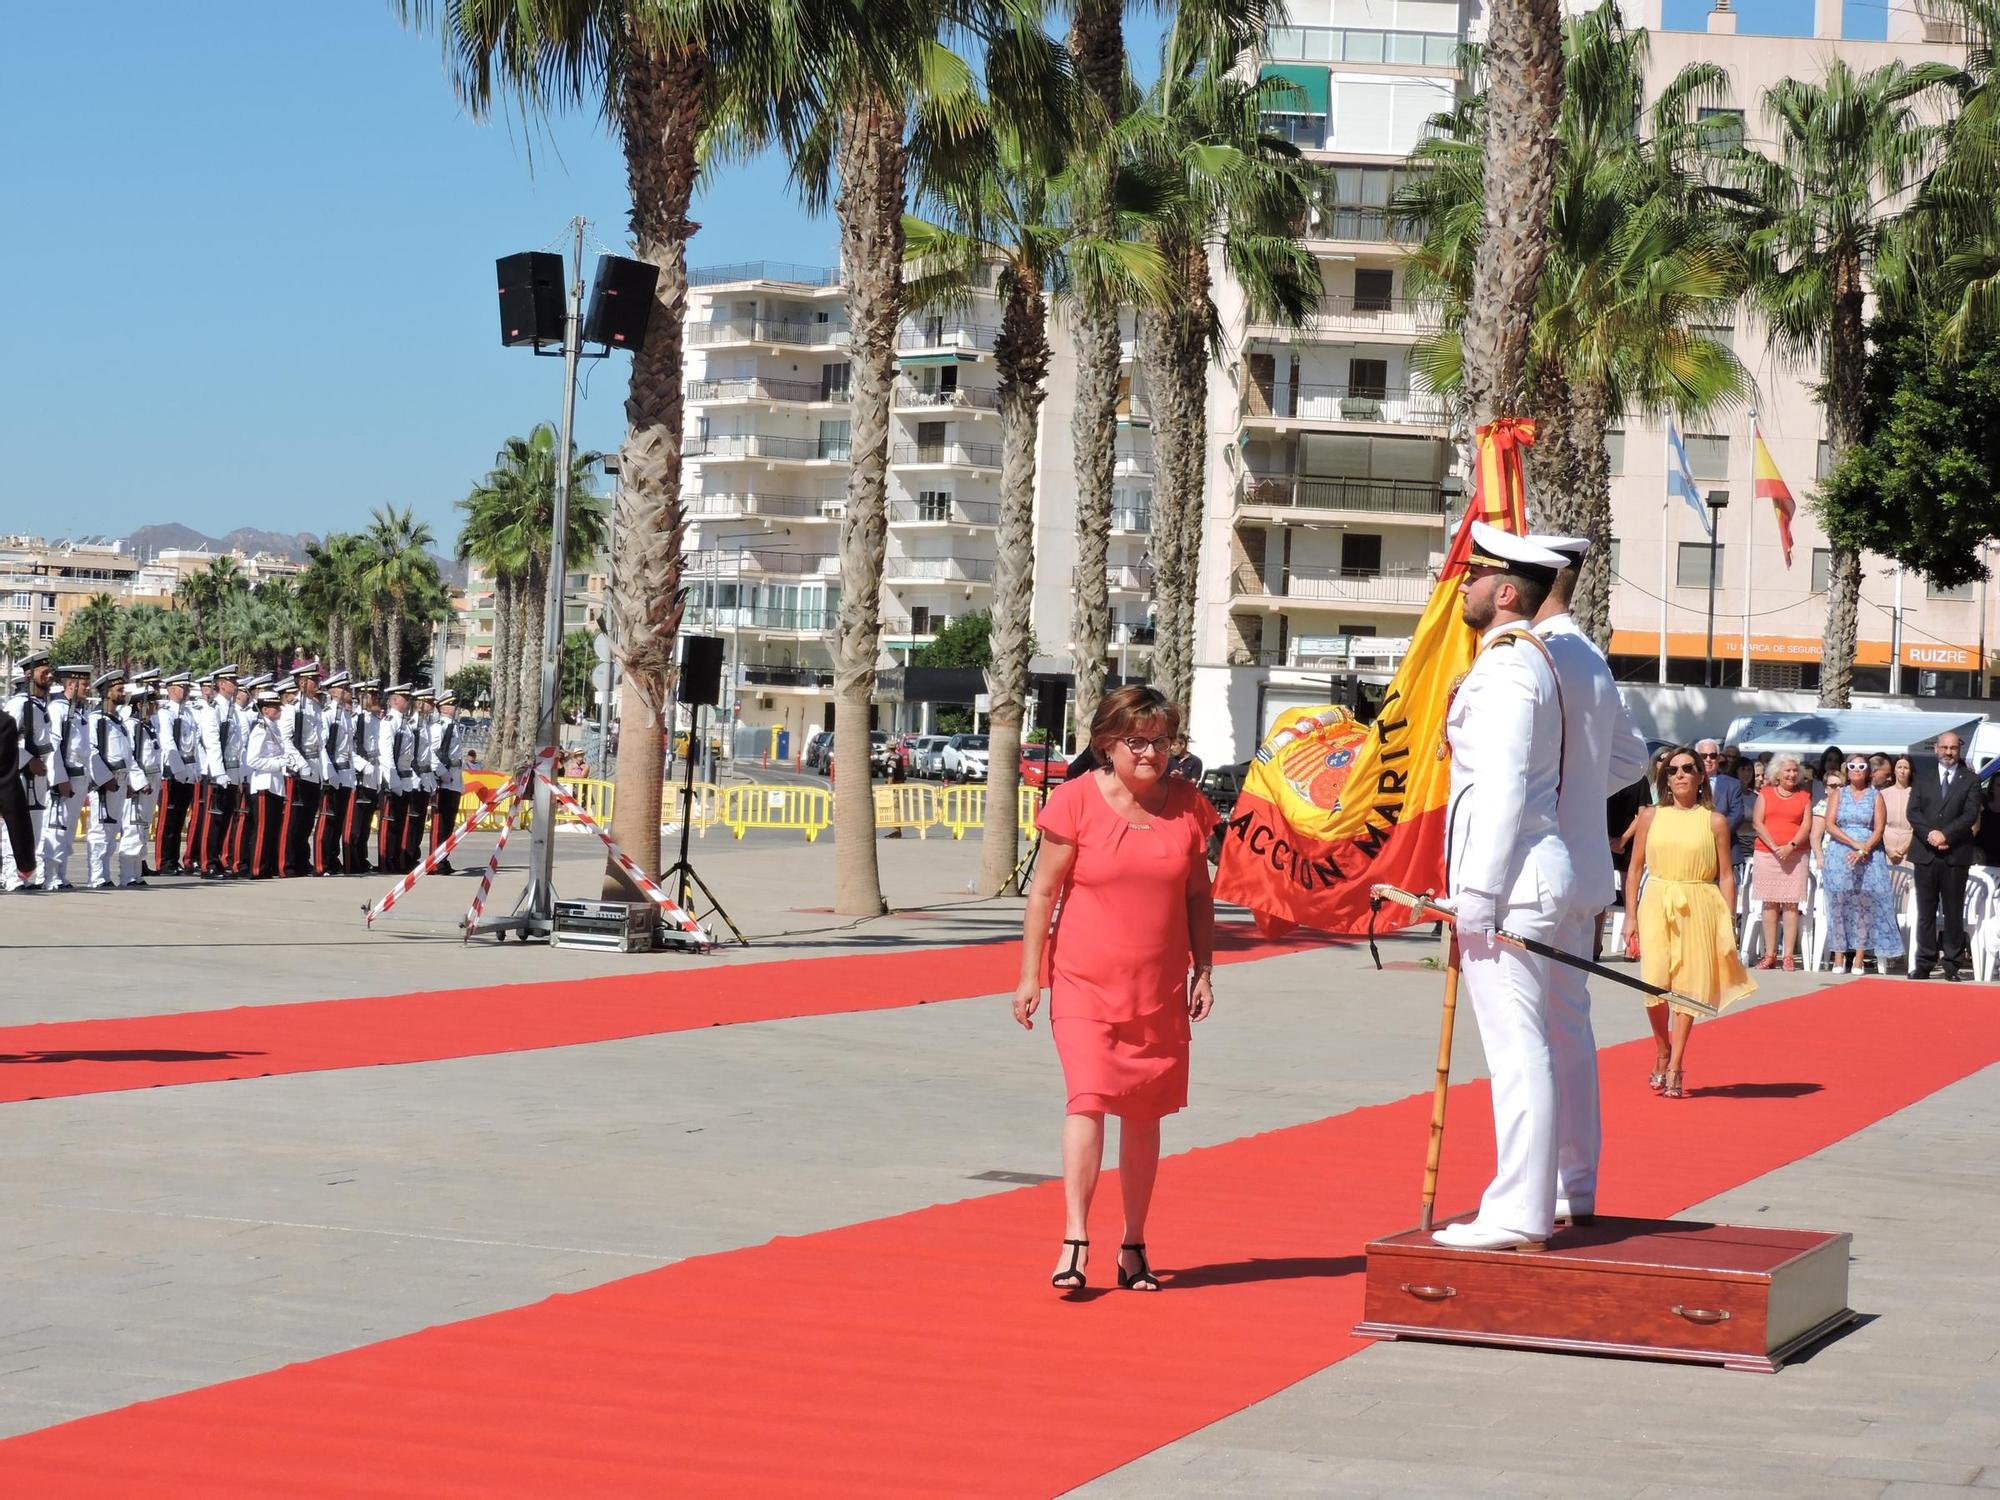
x: 1603, y: 750
x: 1505, y: 727
x: 69, y: 727
x: 114, y: 776
x: 31, y: 715
x: 134, y: 833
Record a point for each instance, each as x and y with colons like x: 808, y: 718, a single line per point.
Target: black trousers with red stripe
x: 414, y: 823
x: 175, y: 802
x: 354, y: 837
x: 389, y: 824
x: 263, y: 839
x: 218, y: 809
x: 329, y: 839
x: 444, y: 817
x: 302, y: 797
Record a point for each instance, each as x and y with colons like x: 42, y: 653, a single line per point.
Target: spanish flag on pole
x: 1330, y: 807
x: 1770, y: 485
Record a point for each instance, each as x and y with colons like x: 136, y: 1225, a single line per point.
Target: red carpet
x: 924, y: 1355
x: 57, y: 1059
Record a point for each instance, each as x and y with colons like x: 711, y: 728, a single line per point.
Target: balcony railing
x: 1349, y: 403
x: 785, y: 273
x: 736, y: 562
x: 1132, y: 461
x: 912, y: 336
x: 1133, y: 632
x: 765, y: 331
x: 1348, y: 222
x: 953, y: 511
x: 1136, y: 580
x: 961, y: 398
x: 905, y: 626
x: 765, y: 445
x: 791, y: 507
x: 756, y: 388
x: 1332, y: 44
x: 811, y: 621
x: 957, y: 455
x: 1132, y: 518
x: 1378, y: 496
x: 939, y: 569
x: 1337, y: 585
x: 1349, y: 314
x: 755, y: 675
x: 1320, y: 651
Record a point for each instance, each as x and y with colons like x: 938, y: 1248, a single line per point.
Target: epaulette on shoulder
x: 1504, y: 640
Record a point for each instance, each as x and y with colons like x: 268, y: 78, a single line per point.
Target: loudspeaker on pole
x: 531, y: 298
x: 701, y: 670
x: 621, y: 302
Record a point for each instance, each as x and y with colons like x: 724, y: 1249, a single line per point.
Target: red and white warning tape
x: 492, y: 868
x: 443, y: 851
x: 638, y: 876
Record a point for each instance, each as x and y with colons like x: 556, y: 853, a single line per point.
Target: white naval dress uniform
x: 114, y: 776
x: 134, y: 832
x: 69, y: 724
x: 1505, y: 728
x: 31, y: 716
x: 1603, y: 750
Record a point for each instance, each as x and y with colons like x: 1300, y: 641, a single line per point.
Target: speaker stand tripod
x: 682, y: 871
x: 1018, y: 881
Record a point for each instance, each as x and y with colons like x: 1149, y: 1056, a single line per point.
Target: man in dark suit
x: 1723, y: 787
x: 1944, y: 804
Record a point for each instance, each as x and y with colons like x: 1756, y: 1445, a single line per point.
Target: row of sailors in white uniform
x: 147, y: 729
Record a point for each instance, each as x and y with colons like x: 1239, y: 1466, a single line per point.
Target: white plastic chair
x: 1982, y: 920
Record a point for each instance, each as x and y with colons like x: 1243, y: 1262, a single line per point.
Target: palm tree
x: 510, y: 529
x: 1643, y: 256
x: 13, y: 646
x: 1005, y: 207
x: 206, y: 592
x: 1845, y: 150
x: 397, y: 568
x: 1523, y: 69
x: 331, y: 597
x: 95, y: 626
x: 663, y: 76
x: 1232, y: 191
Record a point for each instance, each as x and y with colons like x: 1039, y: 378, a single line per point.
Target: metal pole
x: 1896, y: 639
x: 1666, y: 546
x: 541, y: 898
x: 1716, y: 501
x: 1985, y: 585
x: 607, y: 623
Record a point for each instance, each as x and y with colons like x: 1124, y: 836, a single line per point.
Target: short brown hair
x: 1121, y: 712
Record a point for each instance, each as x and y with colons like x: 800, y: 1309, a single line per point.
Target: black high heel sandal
x: 1072, y: 1279
x: 1141, y: 1280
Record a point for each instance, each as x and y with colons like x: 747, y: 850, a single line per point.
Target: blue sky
x: 249, y: 263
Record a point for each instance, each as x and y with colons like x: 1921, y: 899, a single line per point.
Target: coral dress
x: 1119, y: 953
x: 1685, y: 939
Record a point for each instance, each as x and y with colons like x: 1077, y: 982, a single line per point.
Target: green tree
x: 333, y: 599
x: 13, y: 646
x: 93, y: 628
x: 1643, y: 256
x: 473, y: 685
x: 1846, y: 148
x: 397, y: 572
x: 966, y: 642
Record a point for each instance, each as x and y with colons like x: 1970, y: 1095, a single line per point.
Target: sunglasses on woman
x: 1682, y: 768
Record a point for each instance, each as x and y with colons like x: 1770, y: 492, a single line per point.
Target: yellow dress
x: 1685, y: 939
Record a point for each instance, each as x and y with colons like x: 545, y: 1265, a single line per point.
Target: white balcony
x: 1378, y: 499
x: 975, y: 400
x: 975, y: 571
x: 1344, y: 317
x: 788, y: 274
x: 945, y: 455
x: 916, y: 336
x: 767, y: 448
x: 1347, y: 406
x: 753, y: 563
x: 941, y: 511
x: 768, y: 333
x: 1401, y: 590
x: 757, y: 391
x: 753, y: 504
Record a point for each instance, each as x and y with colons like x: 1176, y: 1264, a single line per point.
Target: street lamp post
x: 1718, y: 501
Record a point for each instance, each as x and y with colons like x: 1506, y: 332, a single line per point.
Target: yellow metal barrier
x: 1027, y: 802
x: 808, y: 809
x: 906, y: 807
x: 960, y: 808
x: 707, y: 805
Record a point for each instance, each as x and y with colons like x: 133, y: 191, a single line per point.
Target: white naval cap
x: 1572, y: 548
x: 1494, y: 548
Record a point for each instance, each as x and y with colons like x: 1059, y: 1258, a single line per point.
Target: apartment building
x: 1333, y: 483
x: 765, y: 479
x: 42, y: 583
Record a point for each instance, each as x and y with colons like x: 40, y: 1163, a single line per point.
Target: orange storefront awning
x: 1933, y: 656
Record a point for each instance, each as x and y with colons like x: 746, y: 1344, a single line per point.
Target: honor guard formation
x: 222, y: 777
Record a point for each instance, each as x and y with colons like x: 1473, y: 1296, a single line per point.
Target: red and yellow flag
x: 1770, y: 485
x: 1330, y: 807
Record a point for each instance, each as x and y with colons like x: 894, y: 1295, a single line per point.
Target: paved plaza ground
x: 164, y: 1239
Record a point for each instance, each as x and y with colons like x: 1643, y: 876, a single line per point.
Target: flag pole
x: 1749, y: 546
x: 1666, y: 546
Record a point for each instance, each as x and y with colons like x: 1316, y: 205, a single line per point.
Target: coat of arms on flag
x: 1330, y: 806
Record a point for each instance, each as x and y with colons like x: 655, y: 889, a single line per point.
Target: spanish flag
x: 1331, y: 807
x: 1770, y: 485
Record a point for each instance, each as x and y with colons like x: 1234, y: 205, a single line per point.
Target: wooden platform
x: 1652, y: 1288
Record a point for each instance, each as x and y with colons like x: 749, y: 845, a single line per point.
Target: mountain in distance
x: 248, y: 540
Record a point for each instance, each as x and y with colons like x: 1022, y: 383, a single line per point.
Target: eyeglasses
x: 1711, y: 755
x: 1139, y: 744
x: 1684, y: 768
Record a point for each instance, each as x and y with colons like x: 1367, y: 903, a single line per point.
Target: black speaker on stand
x: 700, y: 687
x: 621, y: 302
x: 531, y: 298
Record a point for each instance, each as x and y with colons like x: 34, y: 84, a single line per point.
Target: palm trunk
x: 660, y: 116
x: 1590, y: 415
x: 1021, y: 354
x: 531, y: 621
x: 1097, y: 42
x: 1846, y: 349
x: 1176, y: 359
x: 872, y: 165
x: 501, y: 750
x: 1523, y: 97
x: 392, y: 630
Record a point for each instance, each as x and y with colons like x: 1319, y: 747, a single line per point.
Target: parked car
x: 927, y: 755
x: 819, y: 750
x: 965, y: 757
x: 1033, y: 769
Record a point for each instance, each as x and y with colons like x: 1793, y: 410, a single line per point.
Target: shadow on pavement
x: 118, y: 1055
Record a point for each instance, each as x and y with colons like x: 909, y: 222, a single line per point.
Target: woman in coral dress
x: 1126, y: 957
x: 1681, y: 924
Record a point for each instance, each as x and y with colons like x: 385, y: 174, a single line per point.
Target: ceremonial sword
x: 1429, y: 906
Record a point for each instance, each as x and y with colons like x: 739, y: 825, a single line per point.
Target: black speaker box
x: 621, y: 302
x: 1051, y: 697
x: 531, y: 298
x: 701, y: 670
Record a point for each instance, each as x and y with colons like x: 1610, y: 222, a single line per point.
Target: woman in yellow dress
x: 1681, y: 918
